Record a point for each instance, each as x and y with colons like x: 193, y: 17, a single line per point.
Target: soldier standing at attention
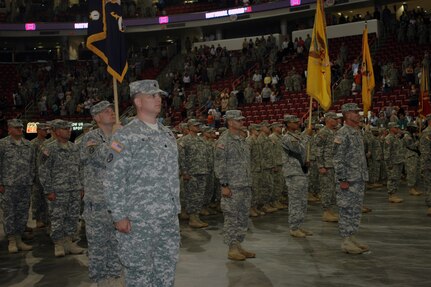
x: 324, y: 142
x: 142, y: 191
x: 104, y: 265
x: 59, y: 174
x: 412, y: 165
x: 233, y: 169
x: 17, y: 171
x: 294, y: 155
x: 255, y: 161
x: 425, y: 149
x: 278, y: 178
x: 185, y: 131
x: 394, y: 158
x: 351, y: 173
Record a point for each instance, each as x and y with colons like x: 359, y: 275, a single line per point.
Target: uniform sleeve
x: 340, y: 156
x: 320, y: 141
x: 45, y: 167
x: 117, y: 172
x: 387, y: 151
x: 181, y: 156
x: 1, y: 162
x: 425, y: 149
x: 220, y: 161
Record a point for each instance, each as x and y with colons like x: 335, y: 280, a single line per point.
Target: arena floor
x: 399, y: 236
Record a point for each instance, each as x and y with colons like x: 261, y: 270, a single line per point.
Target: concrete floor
x: 399, y: 237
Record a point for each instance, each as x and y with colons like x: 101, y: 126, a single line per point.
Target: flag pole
x: 309, y: 128
x: 114, y: 87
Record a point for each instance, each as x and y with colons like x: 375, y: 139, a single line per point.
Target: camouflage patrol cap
x: 290, y: 119
x: 234, y: 115
x: 428, y: 117
x: 318, y: 126
x: 42, y: 126
x: 265, y: 124
x: 393, y: 125
x: 183, y: 126
x: 15, y: 123
x: 146, y: 87
x: 52, y: 123
x: 99, y: 107
x: 331, y: 115
x: 350, y: 107
x: 276, y: 125
x: 253, y: 127
x: 222, y: 129
x: 193, y: 122
x: 206, y: 129
x: 61, y: 124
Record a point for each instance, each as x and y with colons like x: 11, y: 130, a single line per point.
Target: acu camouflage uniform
x: 394, y: 158
x: 425, y: 149
x: 375, y: 157
x: 412, y: 162
x: 256, y: 169
x: 278, y: 178
x: 266, y: 175
x: 39, y: 204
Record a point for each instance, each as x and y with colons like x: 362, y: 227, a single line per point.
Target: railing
x: 27, y: 108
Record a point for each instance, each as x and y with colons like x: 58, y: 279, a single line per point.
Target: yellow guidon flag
x: 319, y: 67
x: 367, y: 73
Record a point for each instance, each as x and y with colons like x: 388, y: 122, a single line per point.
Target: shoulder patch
x: 116, y: 146
x: 337, y: 140
x: 220, y: 146
x: 91, y: 143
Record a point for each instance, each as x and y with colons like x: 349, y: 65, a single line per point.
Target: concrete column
x: 283, y: 27
x: 219, y: 34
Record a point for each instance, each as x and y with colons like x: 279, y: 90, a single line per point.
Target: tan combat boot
x: 364, y: 247
x: 395, y: 199
x: 253, y: 212
x: 21, y: 245
x: 328, y: 216
x: 184, y: 215
x: 306, y: 232
x: 40, y: 224
x: 59, y: 248
x: 235, y: 254
x: 268, y: 209
x: 260, y: 211
x: 429, y: 211
x: 282, y: 205
x: 247, y: 254
x: 366, y: 209
x: 349, y: 247
x: 204, y: 212
x: 297, y: 233
x: 414, y: 192
x: 202, y: 222
x: 71, y: 247
x: 12, y: 248
x: 312, y: 198
x: 195, y: 222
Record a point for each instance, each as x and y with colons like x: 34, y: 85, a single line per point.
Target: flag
x: 106, y: 35
x: 424, y: 99
x: 367, y: 72
x: 319, y: 68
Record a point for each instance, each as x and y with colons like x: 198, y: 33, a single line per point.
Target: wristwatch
x: 224, y: 184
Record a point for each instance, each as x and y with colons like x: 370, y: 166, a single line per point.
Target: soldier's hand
x: 1, y: 189
x: 226, y: 192
x: 344, y: 185
x: 123, y: 225
x: 52, y: 196
x: 323, y: 170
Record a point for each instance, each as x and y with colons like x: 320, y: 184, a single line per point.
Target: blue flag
x: 106, y: 35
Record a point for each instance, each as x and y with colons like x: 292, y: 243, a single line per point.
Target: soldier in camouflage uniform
x: 383, y: 132
x: 104, y: 265
x: 294, y: 154
x: 233, y: 169
x: 256, y: 161
x: 324, y: 142
x: 412, y: 162
x: 278, y: 178
x: 351, y: 173
x: 207, y: 135
x: 142, y: 192
x: 394, y: 158
x: 59, y: 174
x: 194, y: 171
x: 375, y: 158
x: 313, y: 170
x: 425, y: 149
x: 184, y: 128
x: 17, y: 164
x: 39, y: 204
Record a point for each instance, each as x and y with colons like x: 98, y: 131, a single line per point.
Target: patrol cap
x: 350, y: 107
x: 61, y: 124
x: 43, y: 126
x: 234, y: 115
x: 52, y: 123
x: 290, y: 119
x: 254, y: 127
x: 265, y: 124
x: 318, y: 126
x: 183, y: 126
x: 393, y: 125
x: 222, y: 129
x: 428, y: 117
x: 412, y: 125
x: 97, y: 108
x: 276, y: 125
x: 15, y: 123
x: 206, y: 129
x: 193, y: 122
x: 331, y: 115
x: 146, y: 87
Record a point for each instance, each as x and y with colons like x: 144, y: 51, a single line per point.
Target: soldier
x: 207, y: 135
x: 294, y: 172
x: 142, y: 188
x: 104, y: 265
x: 425, y: 149
x: 39, y: 204
x: 412, y: 165
x: 278, y: 177
x: 86, y: 128
x: 17, y: 164
x: 185, y: 131
x: 375, y: 158
x: 313, y: 171
x: 194, y: 171
x: 59, y: 174
x: 393, y: 155
x: 233, y: 169
x: 383, y: 132
x: 324, y: 142
x: 256, y: 168
x: 351, y: 173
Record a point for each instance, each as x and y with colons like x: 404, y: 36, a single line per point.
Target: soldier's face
x: 42, y: 132
x: 63, y: 133
x: 107, y: 116
x: 149, y: 104
x: 15, y: 131
x: 235, y: 124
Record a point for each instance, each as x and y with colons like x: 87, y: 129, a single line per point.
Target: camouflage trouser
x: 374, y: 171
x: 255, y: 187
x: 195, y: 189
x: 297, y: 190
x: 64, y: 214
x: 150, y: 251
x: 394, y: 177
x: 327, y: 188
x: 103, y: 261
x: 427, y: 184
x: 412, y: 168
x: 278, y: 185
x: 15, y: 204
x: 266, y: 188
x: 313, y: 176
x: 350, y: 202
x: 39, y: 204
x: 209, y: 192
x: 383, y: 170
x: 182, y: 194
x: 235, y: 211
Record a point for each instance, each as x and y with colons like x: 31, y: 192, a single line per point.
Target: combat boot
x: 104, y: 283
x: 297, y: 233
x: 21, y: 245
x: 235, y: 254
x: 312, y: 198
x: 414, y: 192
x: 59, y: 248
x: 366, y: 209
x: 395, y: 199
x: 204, y: 212
x: 429, y: 211
x: 329, y: 217
x: 40, y: 224
x: 71, y: 247
x: 364, y: 247
x: 184, y: 215
x: 282, y: 205
x: 268, y: 209
x: 253, y: 212
x: 246, y: 253
x: 349, y: 247
x: 12, y: 248
x: 260, y: 212
x: 202, y: 222
x: 195, y: 222
x: 306, y: 232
